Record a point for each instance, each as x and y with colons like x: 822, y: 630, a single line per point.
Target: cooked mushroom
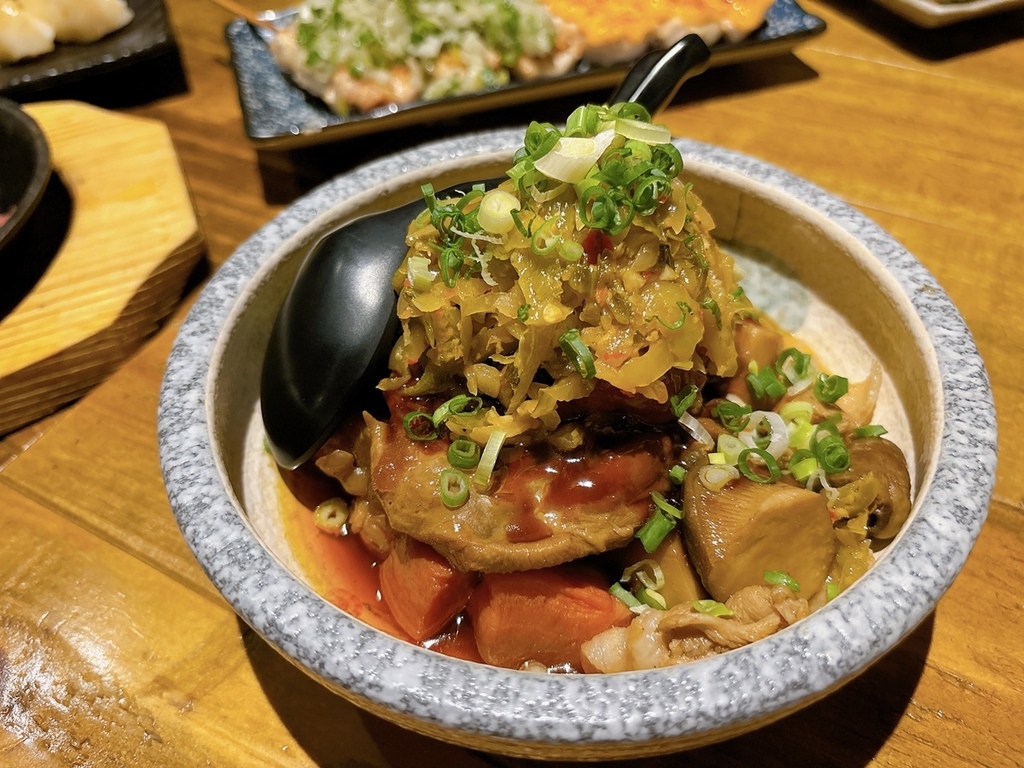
x: 736, y: 534
x: 885, y: 461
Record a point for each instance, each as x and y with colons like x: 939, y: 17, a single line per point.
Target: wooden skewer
x: 240, y: 10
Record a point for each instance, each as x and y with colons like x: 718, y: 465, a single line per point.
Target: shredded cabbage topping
x: 614, y: 278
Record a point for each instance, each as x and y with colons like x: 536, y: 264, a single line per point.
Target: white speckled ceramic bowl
x: 851, y: 288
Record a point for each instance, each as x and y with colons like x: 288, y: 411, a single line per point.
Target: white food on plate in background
x: 32, y: 27
x: 22, y: 35
x: 361, y: 54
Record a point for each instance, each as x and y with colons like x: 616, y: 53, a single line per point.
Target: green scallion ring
x: 748, y: 471
x: 832, y: 454
x: 453, y: 487
x: 418, y: 425
x: 579, y: 354
x: 733, y: 416
x: 463, y: 453
x: 828, y: 389
x: 460, y: 405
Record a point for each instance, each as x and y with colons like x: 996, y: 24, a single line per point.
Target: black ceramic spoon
x: 337, y: 324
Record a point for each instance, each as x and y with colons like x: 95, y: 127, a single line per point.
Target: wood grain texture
x: 116, y: 650
x: 132, y: 241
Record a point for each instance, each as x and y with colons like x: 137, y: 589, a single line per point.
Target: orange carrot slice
x: 543, y: 615
x: 422, y: 589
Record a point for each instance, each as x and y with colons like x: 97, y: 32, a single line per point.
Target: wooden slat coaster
x: 133, y: 240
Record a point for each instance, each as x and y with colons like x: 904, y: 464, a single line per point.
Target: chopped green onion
x: 451, y: 262
x: 828, y: 389
x: 733, y: 416
x: 831, y: 590
x: 664, y: 506
x: 677, y: 474
x: 712, y: 608
x: 870, y: 430
x: 545, y: 238
x: 460, y: 405
x: 331, y: 515
x: 647, y: 572
x: 832, y: 454
x: 782, y: 579
x: 731, y: 447
x: 683, y: 400
x: 642, y: 131
x: 624, y: 595
x: 796, y: 411
x: 488, y: 458
x: 793, y: 364
x: 419, y: 426
x: 523, y: 313
x: 718, y: 458
x: 765, y: 384
x: 652, y: 598
x: 570, y: 250
x: 802, y: 465
x: 573, y: 156
x: 578, y: 353
x: 454, y: 488
x: 715, y: 477
x: 712, y: 306
x: 746, y: 468
x: 659, y: 525
x: 495, y: 212
x: 463, y: 453
x: 420, y: 275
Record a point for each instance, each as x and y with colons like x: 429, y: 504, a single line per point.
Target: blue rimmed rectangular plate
x: 280, y: 115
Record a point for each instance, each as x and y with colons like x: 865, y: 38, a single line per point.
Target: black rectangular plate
x: 144, y: 37
x: 280, y: 115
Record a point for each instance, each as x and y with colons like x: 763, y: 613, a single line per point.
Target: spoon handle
x: 655, y: 79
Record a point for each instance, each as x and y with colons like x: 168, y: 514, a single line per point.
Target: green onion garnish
x: 793, y: 364
x: 782, y: 579
x: 677, y: 474
x: 831, y: 590
x: 460, y: 405
x: 419, y: 426
x: 711, y: 608
x: 712, y: 306
x: 523, y: 313
x: 454, y: 488
x: 463, y: 453
x: 578, y: 353
x: 870, y: 430
x: 746, y: 468
x: 733, y: 416
x: 659, y: 524
x: 488, y: 458
x: 624, y: 595
x: 829, y: 449
x: 828, y: 389
x: 683, y: 400
x: 765, y: 384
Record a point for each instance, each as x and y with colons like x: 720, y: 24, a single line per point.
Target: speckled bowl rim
x: 691, y: 703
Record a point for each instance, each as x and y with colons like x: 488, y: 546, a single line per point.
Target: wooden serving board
x: 133, y: 240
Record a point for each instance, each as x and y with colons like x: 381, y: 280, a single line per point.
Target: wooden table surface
x: 116, y: 650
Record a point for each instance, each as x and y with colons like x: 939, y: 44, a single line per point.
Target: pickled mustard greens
x: 590, y: 267
x: 594, y: 435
